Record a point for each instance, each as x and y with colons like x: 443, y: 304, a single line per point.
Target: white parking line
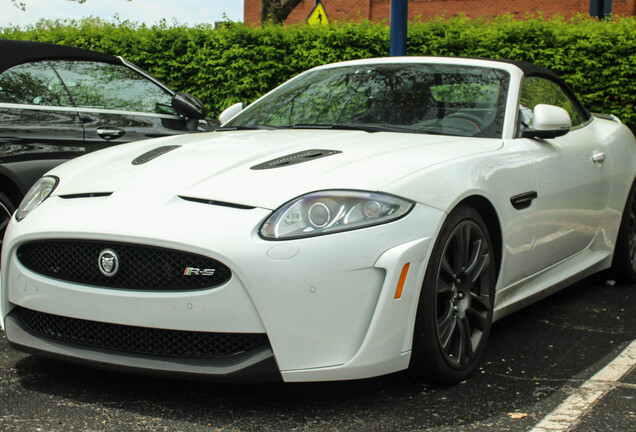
x: 574, y: 407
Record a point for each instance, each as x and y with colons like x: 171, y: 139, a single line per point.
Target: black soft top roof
x: 528, y: 68
x: 531, y: 69
x: 15, y: 52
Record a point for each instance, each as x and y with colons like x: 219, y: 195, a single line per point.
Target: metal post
x: 607, y: 8
x: 601, y: 8
x: 399, y: 13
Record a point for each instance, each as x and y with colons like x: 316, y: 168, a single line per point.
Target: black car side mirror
x: 189, y: 106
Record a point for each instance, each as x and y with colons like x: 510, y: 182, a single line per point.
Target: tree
x: 275, y: 11
x: 22, y: 5
x: 19, y: 4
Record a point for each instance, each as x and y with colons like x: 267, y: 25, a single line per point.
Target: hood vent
x: 87, y: 195
x: 295, y: 158
x: 217, y: 203
x: 154, y: 153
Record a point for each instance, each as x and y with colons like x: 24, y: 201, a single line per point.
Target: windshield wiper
x: 371, y: 128
x: 246, y: 127
x: 351, y: 126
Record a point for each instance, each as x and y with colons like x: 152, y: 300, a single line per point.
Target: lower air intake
x: 140, y: 340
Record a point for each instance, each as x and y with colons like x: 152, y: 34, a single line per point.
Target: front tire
x: 6, y: 210
x: 455, y: 308
x: 624, y: 261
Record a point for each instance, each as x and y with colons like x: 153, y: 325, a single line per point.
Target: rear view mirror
x: 230, y: 112
x: 549, y: 121
x: 189, y: 106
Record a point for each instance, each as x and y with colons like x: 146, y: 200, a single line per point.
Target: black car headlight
x: 40, y: 191
x: 332, y: 211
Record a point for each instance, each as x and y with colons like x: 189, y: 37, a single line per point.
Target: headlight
x: 35, y: 196
x: 332, y: 211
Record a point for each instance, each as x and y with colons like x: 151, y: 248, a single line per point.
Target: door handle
x: 598, y: 157
x: 110, y: 133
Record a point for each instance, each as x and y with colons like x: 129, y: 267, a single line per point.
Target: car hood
x: 262, y: 168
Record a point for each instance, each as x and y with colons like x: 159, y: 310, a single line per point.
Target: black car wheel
x: 6, y: 210
x: 624, y: 263
x: 455, y: 309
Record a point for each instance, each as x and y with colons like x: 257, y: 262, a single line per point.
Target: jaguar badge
x: 108, y: 262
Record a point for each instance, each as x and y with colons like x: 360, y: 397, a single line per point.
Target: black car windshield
x: 415, y: 98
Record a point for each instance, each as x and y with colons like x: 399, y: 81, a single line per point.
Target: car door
x: 39, y: 125
x: 572, y: 177
x: 118, y: 104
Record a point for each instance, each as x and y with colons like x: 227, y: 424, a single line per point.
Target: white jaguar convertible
x: 363, y: 218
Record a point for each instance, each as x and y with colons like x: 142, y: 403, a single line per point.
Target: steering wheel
x: 470, y: 118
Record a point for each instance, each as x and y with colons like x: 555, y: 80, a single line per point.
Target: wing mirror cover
x: 549, y: 121
x: 230, y: 112
x: 189, y: 106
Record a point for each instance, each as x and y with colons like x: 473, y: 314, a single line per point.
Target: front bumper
x: 327, y: 304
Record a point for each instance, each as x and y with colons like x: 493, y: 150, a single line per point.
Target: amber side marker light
x: 400, y: 286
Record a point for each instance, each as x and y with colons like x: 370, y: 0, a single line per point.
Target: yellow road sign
x: 318, y: 15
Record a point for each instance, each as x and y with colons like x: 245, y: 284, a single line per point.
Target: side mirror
x: 189, y: 106
x: 230, y: 112
x: 549, y: 121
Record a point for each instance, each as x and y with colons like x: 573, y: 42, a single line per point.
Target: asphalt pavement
x: 536, y: 362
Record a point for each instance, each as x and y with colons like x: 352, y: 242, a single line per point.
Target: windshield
x: 416, y: 98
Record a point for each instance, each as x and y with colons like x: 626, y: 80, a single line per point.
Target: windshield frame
x: 505, y: 73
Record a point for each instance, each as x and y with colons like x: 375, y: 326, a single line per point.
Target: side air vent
x: 154, y: 153
x: 295, y: 158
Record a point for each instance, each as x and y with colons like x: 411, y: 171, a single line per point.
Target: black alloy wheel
x: 456, y: 304
x: 624, y: 262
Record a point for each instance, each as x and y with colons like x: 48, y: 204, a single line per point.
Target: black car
x: 59, y: 102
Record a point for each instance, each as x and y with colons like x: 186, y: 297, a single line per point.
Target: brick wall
x: 624, y: 7
x: 378, y: 10
x: 251, y: 11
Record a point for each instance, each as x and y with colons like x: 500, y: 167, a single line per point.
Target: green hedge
x: 239, y: 63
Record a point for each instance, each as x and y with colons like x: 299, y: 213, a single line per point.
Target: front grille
x: 139, y: 267
x: 140, y: 340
